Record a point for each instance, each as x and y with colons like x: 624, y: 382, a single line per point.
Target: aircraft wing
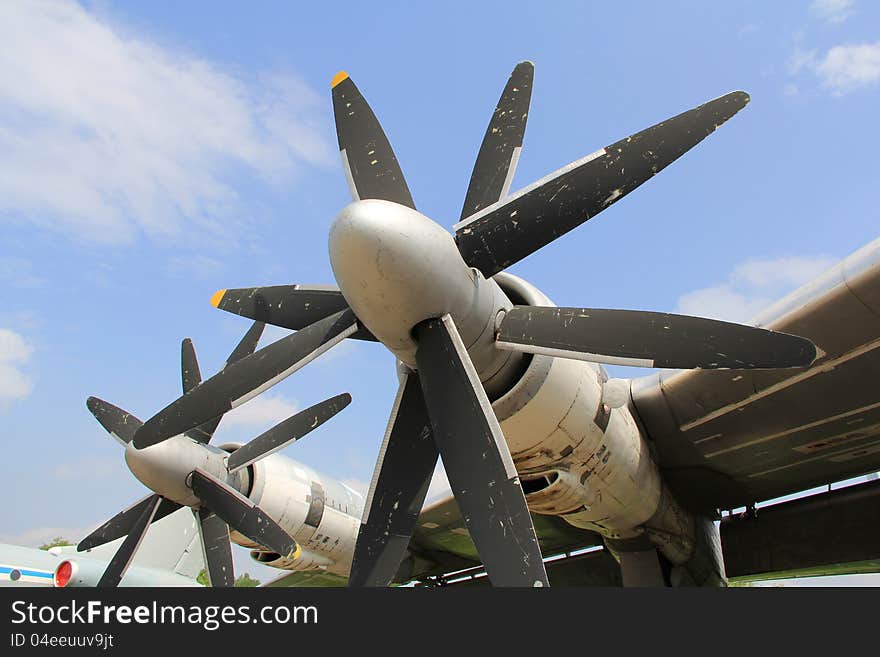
x: 441, y: 543
x: 308, y: 579
x: 729, y: 438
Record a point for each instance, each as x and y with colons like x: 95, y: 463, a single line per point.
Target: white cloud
x: 14, y: 352
x: 846, y: 68
x: 108, y: 134
x: 362, y: 487
x: 751, y: 287
x: 91, y: 468
x: 777, y: 273
x: 38, y: 536
x: 832, y: 11
x: 261, y: 412
x: 801, y: 59
x: 195, y: 266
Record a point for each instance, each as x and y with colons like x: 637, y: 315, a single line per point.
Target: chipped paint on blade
x: 286, y: 432
x: 485, y: 405
x: 503, y: 234
x: 374, y: 168
x: 476, y: 458
x: 528, y: 188
x: 216, y: 547
x: 502, y: 142
x: 241, y: 513
x: 293, y: 368
x: 120, y: 424
x: 397, y: 489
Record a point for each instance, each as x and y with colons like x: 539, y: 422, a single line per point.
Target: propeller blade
x: 476, y: 457
x: 216, y: 548
x: 122, y: 559
x: 288, y: 306
x: 122, y: 523
x: 397, y: 491
x: 246, y: 346
x: 241, y: 514
x: 245, y: 379
x: 120, y: 424
x: 370, y: 166
x: 190, y: 374
x: 505, y: 233
x: 502, y: 143
x: 648, y: 339
x: 286, y: 432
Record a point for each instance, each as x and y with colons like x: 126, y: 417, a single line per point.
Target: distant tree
x: 56, y: 542
x: 246, y: 580
x: 242, y: 581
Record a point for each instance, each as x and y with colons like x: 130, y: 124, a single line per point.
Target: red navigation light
x: 64, y: 573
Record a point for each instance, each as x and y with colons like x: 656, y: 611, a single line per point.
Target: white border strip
x: 485, y: 406
x: 395, y: 409
x: 346, y: 167
x: 574, y: 355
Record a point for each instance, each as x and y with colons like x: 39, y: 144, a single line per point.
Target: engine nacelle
x: 580, y: 459
x: 322, y: 515
x: 302, y: 560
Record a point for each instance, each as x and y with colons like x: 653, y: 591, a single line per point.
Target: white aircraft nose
x: 397, y: 268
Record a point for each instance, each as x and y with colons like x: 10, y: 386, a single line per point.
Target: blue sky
x: 151, y: 153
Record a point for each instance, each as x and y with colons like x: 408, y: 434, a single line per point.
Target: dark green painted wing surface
x: 314, y: 579
x: 441, y: 543
x: 725, y: 439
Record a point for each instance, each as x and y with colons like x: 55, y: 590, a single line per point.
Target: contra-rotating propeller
x: 442, y: 406
x: 184, y: 469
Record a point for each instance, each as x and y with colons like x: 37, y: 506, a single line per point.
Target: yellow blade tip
x: 217, y: 298
x: 339, y: 77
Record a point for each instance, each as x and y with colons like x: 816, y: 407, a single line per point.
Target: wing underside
x: 731, y: 438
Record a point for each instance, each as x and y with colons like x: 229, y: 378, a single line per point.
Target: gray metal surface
x: 725, y: 439
x: 241, y: 514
